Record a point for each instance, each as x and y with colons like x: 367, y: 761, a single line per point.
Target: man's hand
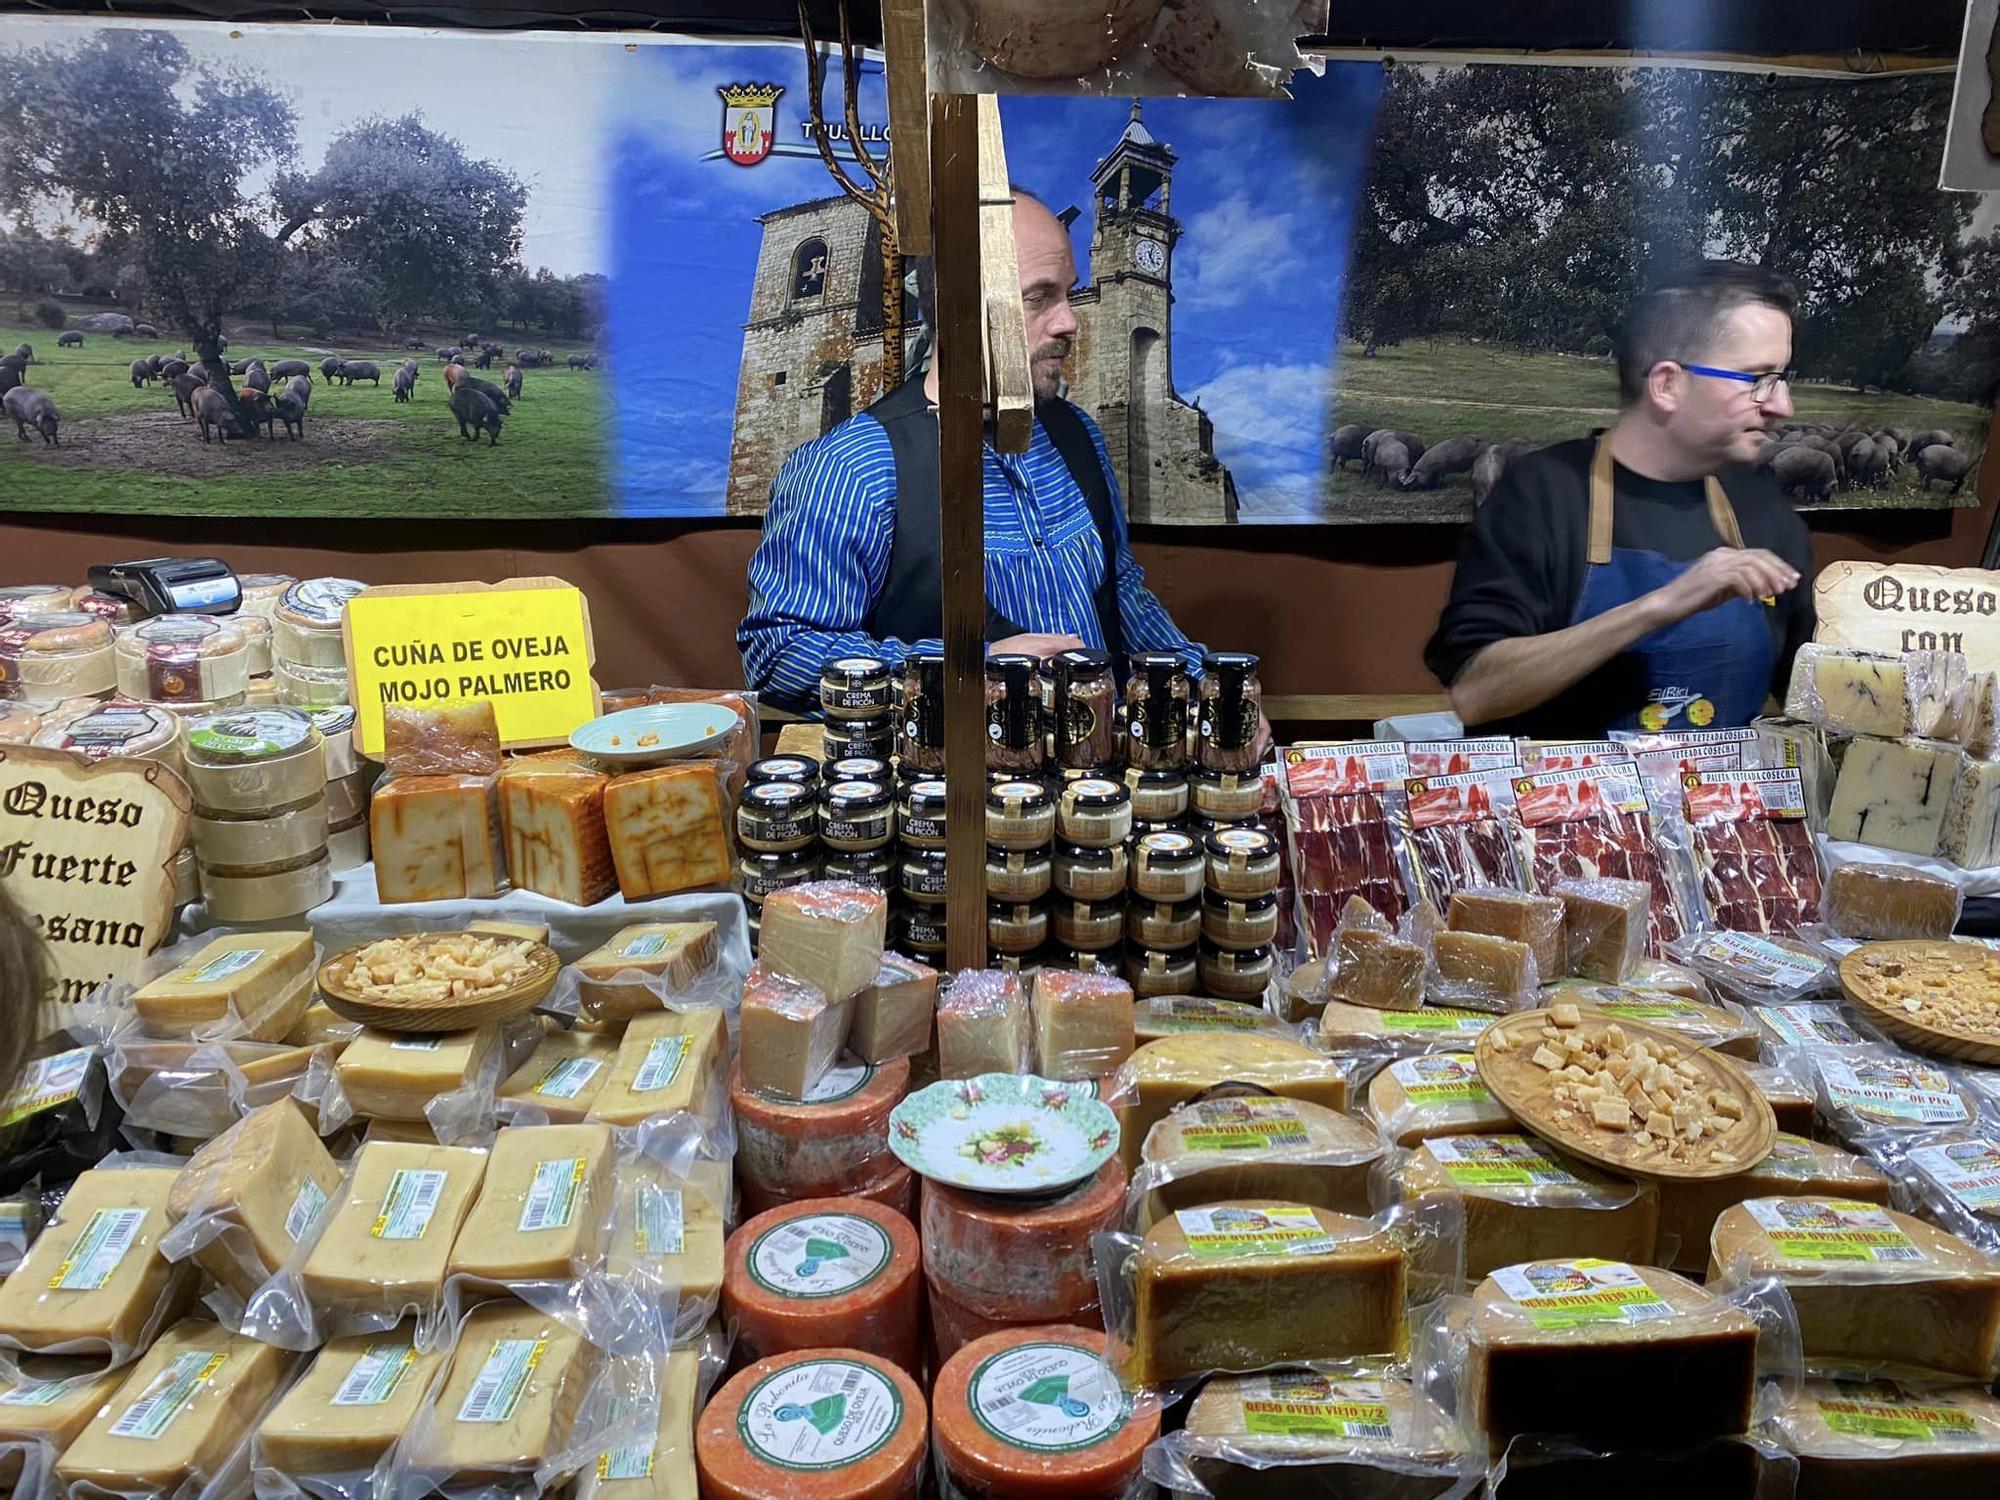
x: 1726, y: 573
x: 1262, y: 745
x: 1041, y: 647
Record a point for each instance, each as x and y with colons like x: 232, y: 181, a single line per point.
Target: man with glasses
x: 1647, y: 578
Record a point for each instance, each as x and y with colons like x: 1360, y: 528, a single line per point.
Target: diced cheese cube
x: 436, y: 838
x: 983, y: 1026
x: 1604, y: 926
x: 552, y: 819
x: 359, y: 1395
x: 1864, y: 692
x: 667, y: 830
x: 564, y: 1075
x: 668, y: 1466
x: 542, y: 1205
x: 1887, y: 902
x: 1894, y: 794
x: 892, y: 1017
x: 828, y: 933
x: 656, y: 957
x: 1971, y: 836
x: 1083, y: 1024
x: 517, y: 1382
x: 95, y: 1275
x: 1534, y: 920
x: 382, y: 1256
x: 391, y: 1076
x: 668, y: 1061
x: 269, y: 1177
x: 255, y: 977
x: 791, y: 1033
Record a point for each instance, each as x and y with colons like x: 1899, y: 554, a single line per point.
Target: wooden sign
x: 524, y: 645
x: 87, y: 848
x: 1911, y: 607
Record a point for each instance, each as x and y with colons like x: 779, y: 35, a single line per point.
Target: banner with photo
x: 655, y: 287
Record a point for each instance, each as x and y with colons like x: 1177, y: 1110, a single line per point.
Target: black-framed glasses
x: 1762, y: 386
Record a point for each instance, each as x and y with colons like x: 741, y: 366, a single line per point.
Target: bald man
x: 849, y: 563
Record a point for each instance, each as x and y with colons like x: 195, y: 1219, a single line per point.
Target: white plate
x: 671, y: 729
x: 1004, y: 1133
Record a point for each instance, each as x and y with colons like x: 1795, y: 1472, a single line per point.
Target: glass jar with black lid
x: 921, y: 727
x: 1224, y: 794
x: 856, y: 816
x: 1168, y: 867
x: 1096, y: 811
x: 1085, y: 872
x: 1235, y: 974
x: 1019, y: 815
x: 1231, y: 704
x: 1156, y: 711
x: 1088, y: 960
x: 757, y: 875
x: 874, y: 868
x: 1017, y: 927
x: 1239, y: 922
x: 923, y: 931
x: 855, y: 687
x: 1013, y: 714
x: 1086, y: 710
x: 859, y: 768
x: 873, y: 738
x: 1153, y: 971
x: 793, y: 768
x: 1164, y: 924
x: 1157, y: 796
x: 921, y: 874
x: 1018, y: 874
x: 1089, y: 924
x: 777, y: 817
x: 920, y: 814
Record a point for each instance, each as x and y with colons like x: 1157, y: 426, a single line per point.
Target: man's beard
x: 1048, y: 379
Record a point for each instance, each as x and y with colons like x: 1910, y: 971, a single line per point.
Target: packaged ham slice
x: 1455, y: 757
x: 1337, y: 816
x: 1453, y: 833
x: 1593, y: 822
x: 1753, y: 851
x: 1694, y: 745
x: 1569, y: 755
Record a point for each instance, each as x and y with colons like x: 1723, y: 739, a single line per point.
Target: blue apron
x: 1711, y: 670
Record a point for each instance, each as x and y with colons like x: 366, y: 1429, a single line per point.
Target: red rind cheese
x: 954, y: 1325
x: 1019, y: 1260
x: 1036, y: 1414
x: 828, y: 1273
x: 893, y: 1186
x: 822, y: 1147
x: 818, y: 1424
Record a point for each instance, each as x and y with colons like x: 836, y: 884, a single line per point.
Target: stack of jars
x: 777, y: 830
x: 919, y: 882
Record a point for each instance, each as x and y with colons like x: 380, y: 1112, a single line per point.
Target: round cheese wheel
x: 285, y: 838
x: 825, y: 1273
x: 1019, y: 1259
x: 348, y: 847
x: 33, y: 599
x: 1036, y: 1414
x: 134, y: 731
x: 267, y: 895
x: 187, y: 877
x: 309, y: 687
x: 819, y: 1424
x: 305, y: 623
x: 335, y: 723
x: 954, y: 1325
x: 257, y: 631
x: 108, y: 607
x: 47, y: 658
x: 182, y: 659
x: 262, y: 591
x: 890, y: 1184
x: 347, y: 797
x: 262, y: 693
x: 824, y: 1145
x: 253, y: 760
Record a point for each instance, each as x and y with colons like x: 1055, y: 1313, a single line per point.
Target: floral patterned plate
x: 1002, y: 1133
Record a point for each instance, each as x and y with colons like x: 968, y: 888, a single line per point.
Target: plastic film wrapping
x: 1338, y: 825
x: 1860, y: 1435
x: 1883, y: 902
x: 1413, y: 1099
x: 1083, y: 1024
x: 1851, y: 691
x: 462, y: 739
x: 1796, y: 1165
x: 1246, y: 1146
x: 984, y: 1025
x: 333, y: 1434
x: 1475, y: 971
x: 222, y: 987
x: 1453, y: 834
x: 1595, y: 823
x: 1604, y: 926
x: 1754, y: 855
x: 791, y: 1033
x: 1172, y: 1071
x: 1866, y: 1092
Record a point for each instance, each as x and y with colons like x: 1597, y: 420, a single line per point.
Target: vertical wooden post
x: 961, y: 315
x: 906, y: 61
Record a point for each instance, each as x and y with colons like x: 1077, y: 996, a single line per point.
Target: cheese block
x: 1604, y: 926
x: 1438, y: 1093
x: 1480, y: 971
x: 1019, y: 1259
x: 1971, y: 837
x: 627, y: 974
x: 1792, y: 1102
x: 130, y: 731
x: 1883, y: 902
x: 1860, y: 1292
x: 669, y: 1232
x: 828, y: 933
x: 1534, y: 920
x: 1585, y: 1336
x: 1861, y: 1439
x: 1956, y: 1174
x: 1037, y: 1414
x: 359, y: 1394
x: 1851, y: 691
x: 1083, y: 1024
x: 1174, y: 1069
x: 319, y: 1024
x: 662, y: 1469
x: 1807, y: 1168
x: 1894, y: 794
x: 543, y: 1205
x: 1521, y: 1202
x: 271, y: 894
x: 1350, y: 1030
x: 1247, y: 1147
x: 1375, y: 969
x: 253, y: 978
x: 347, y: 798
x: 94, y: 1279
x: 253, y: 761
x: 200, y: 1089
x: 182, y: 659
x: 48, y: 1411
x: 401, y: 1132
x: 823, y: 1424
x: 892, y: 1017
x: 457, y: 739
x: 1979, y: 715
x: 552, y: 818
x: 1238, y: 1286
x: 436, y: 838
x: 283, y: 839
x: 306, y: 619
x: 517, y: 1383
x: 335, y: 723
x: 269, y: 1179
x: 667, y: 1061
x: 984, y: 1026
x: 827, y: 1273
x: 186, y: 1407
x: 667, y: 830
x: 790, y: 1035
x: 390, y: 1075
x: 383, y: 1253
x: 1170, y: 1015
x: 826, y: 1145
x: 954, y: 1325
x: 563, y: 1076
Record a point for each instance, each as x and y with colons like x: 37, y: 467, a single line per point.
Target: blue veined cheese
x: 1867, y: 692
x: 1894, y: 794
x: 1972, y: 822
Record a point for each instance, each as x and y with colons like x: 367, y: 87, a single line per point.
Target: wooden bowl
x: 524, y: 994
x: 1862, y: 968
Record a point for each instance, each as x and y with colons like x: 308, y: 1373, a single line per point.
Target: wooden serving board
x: 1523, y: 1088
x: 1863, y: 970
x: 428, y: 1016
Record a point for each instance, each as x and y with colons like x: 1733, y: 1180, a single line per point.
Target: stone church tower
x: 812, y: 348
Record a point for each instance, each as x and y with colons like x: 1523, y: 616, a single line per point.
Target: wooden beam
x: 1000, y: 283
x: 955, y: 240
x: 906, y: 61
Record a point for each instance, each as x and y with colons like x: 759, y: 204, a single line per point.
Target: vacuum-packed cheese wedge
x: 270, y: 1178
x: 789, y: 1033
x: 667, y: 1061
x: 186, y: 1407
x: 517, y: 1381
x: 1883, y: 902
x: 358, y: 1396
x: 542, y: 1205
x: 1083, y: 1023
x: 1624, y: 1352
x: 563, y: 1076
x: 1437, y: 1093
x: 669, y: 1232
x: 383, y: 1253
x: 1248, y: 1147
x: 892, y: 1017
x: 1170, y: 1015
x: 1174, y: 1069
x: 391, y: 1076
x: 1534, y: 920
x: 1349, y: 1029
x: 1871, y: 1285
x: 436, y: 838
x: 1238, y: 1286
x: 1894, y: 794
x: 984, y: 1025
x: 95, y: 1276
x: 1702, y: 1025
x: 1481, y: 971
x: 1688, y: 1210
x: 1861, y: 1440
x: 1522, y: 1203
x: 1852, y: 691
x: 656, y: 956
x: 1791, y: 1101
x: 828, y: 933
x: 664, y: 1468
x: 50, y: 1408
x: 320, y: 1024
x: 526, y: 932
x: 253, y: 976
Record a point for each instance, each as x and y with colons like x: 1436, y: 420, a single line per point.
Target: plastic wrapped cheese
x: 306, y: 620
x: 1956, y: 1178
x: 1688, y: 1210
x: 663, y: 1468
x: 1082, y: 1022
x: 1437, y: 1093
x: 552, y: 817
x: 543, y: 1206
x: 1476, y: 971
x: 828, y: 933
x: 562, y: 1077
x: 1791, y: 1097
x: 1861, y: 1439
x: 1971, y: 836
x: 1894, y: 793
x: 828, y: 1424
x: 631, y: 971
x: 258, y: 984
x: 359, y: 1395
x: 1170, y: 1015
x: 183, y: 659
x: 42, y: 1411
x: 254, y: 761
x: 46, y: 658
x: 984, y: 1025
x: 667, y: 1061
x: 242, y: 845
x: 1247, y: 1147
x: 1885, y: 902
x: 668, y: 1237
x: 458, y: 739
x: 1019, y: 1260
x: 1852, y: 691
x: 1171, y: 1071
x: 790, y: 1033
x: 827, y: 1273
x: 1370, y: 965
x: 1353, y: 1030
x: 131, y: 731
x: 1534, y: 920
x: 667, y: 830
x: 892, y: 1017
x: 393, y: 1076
x: 383, y: 1253
x: 1711, y: 1026
x: 1604, y: 926
x: 271, y: 894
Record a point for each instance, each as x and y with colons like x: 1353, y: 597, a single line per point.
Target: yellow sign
x: 524, y: 645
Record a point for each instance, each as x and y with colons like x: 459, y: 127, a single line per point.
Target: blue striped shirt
x: 820, y: 568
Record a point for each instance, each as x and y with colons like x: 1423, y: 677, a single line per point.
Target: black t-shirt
x: 1521, y: 569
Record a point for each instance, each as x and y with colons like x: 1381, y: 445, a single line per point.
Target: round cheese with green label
x: 822, y: 1424
x: 826, y: 1273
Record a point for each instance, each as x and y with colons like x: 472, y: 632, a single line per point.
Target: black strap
x: 1065, y: 428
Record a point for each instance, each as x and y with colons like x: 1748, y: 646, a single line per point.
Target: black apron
x: 911, y: 604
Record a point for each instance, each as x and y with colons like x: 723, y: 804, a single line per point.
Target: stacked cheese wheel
x: 261, y: 593
x: 826, y: 1273
x: 819, y: 1424
x: 47, y: 658
x: 348, y: 781
x: 191, y: 664
x: 834, y: 1143
x: 260, y: 824
x: 132, y: 731
x: 307, y: 655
